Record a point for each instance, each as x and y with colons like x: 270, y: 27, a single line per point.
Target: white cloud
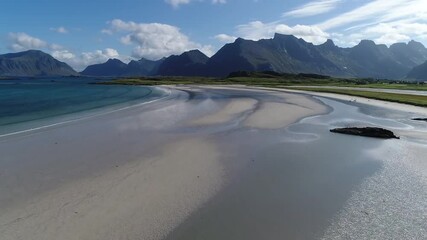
x: 98, y: 56
x: 225, y: 38
x: 258, y: 30
x: 22, y: 41
x: 219, y: 1
x: 55, y: 47
x: 378, y: 11
x: 63, y: 55
x: 390, y: 38
x: 392, y: 32
x: 107, y: 31
x: 313, y: 8
x: 383, y: 33
x: 384, y: 21
x: 176, y: 3
x: 61, y: 29
x: 155, y: 40
x: 82, y: 60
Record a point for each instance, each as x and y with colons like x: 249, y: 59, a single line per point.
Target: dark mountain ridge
x: 143, y: 67
x: 286, y: 53
x: 33, y: 63
x: 418, y: 73
x: 113, y: 67
x: 117, y: 68
x: 282, y: 53
x: 191, y: 63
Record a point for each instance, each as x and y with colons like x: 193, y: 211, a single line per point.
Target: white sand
x: 140, y: 200
x: 274, y: 115
x: 228, y: 112
x: 270, y: 114
x: 372, y: 102
x: 145, y: 197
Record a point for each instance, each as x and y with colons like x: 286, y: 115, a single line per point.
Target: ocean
x: 32, y: 103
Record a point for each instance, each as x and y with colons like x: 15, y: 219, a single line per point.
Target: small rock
x: 366, y: 132
x: 420, y: 119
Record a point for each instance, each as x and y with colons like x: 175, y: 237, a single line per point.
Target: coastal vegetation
x: 417, y: 100
x: 306, y: 82
x: 273, y: 79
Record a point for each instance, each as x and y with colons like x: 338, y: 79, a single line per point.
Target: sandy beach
x: 218, y: 163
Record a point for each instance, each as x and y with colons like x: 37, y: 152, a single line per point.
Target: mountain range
x: 33, y: 63
x: 282, y: 53
x: 117, y: 68
x: 419, y: 73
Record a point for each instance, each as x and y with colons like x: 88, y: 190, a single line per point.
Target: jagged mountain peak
x: 416, y: 45
x: 419, y: 72
x: 280, y: 36
x: 195, y: 56
x: 366, y: 43
x: 329, y: 44
x: 114, y: 61
x: 283, y: 53
x: 190, y: 63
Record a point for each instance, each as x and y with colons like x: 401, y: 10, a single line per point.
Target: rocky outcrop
x: 373, y: 132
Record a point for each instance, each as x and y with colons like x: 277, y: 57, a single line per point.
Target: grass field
x: 273, y: 82
x: 296, y: 82
x: 391, y: 97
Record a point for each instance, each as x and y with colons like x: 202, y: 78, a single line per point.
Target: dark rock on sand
x: 366, y: 132
x: 420, y: 119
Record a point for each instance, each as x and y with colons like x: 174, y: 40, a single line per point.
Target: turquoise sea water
x: 23, y: 102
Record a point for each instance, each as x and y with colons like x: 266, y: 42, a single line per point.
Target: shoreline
x: 150, y: 171
x: 130, y: 149
x: 363, y: 100
x: 369, y: 101
x: 81, y: 115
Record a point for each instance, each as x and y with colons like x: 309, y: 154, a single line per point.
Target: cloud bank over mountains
x: 384, y: 21
x: 154, y: 40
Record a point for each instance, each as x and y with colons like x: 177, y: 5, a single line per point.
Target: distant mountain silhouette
x: 33, y: 63
x: 117, y: 68
x: 191, y: 63
x: 411, y: 54
x: 143, y: 67
x: 419, y: 72
x: 282, y: 54
x: 286, y: 53
x: 113, y: 67
x: 370, y: 60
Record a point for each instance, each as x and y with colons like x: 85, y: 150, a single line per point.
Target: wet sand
x: 378, y: 103
x: 209, y: 163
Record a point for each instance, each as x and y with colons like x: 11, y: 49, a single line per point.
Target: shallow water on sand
x: 299, y: 182
x: 35, y: 102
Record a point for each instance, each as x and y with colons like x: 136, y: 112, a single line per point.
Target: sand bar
x: 372, y: 102
x: 145, y: 172
x: 228, y: 112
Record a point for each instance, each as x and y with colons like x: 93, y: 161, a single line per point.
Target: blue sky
x: 91, y: 31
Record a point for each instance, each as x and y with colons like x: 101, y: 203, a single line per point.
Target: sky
x: 87, y: 32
